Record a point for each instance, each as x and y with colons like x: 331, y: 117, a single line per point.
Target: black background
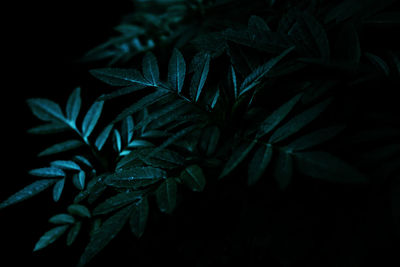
x: 43, y: 42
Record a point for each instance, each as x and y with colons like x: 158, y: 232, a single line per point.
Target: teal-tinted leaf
x: 150, y: 69
x: 325, y: 166
x: 379, y: 63
x: 127, y: 129
x: 234, y: 83
x: 102, y: 138
x: 80, y: 210
x: 142, y: 104
x: 257, y: 28
x: 123, y: 91
x: 28, y: 192
x: 135, y: 177
x: 139, y: 217
x: 193, y: 177
x: 50, y: 236
x: 117, y: 141
x: 78, y: 180
x: 209, y: 140
x: 115, y: 202
x: 73, y: 105
x: 165, y: 155
x: 176, y: 70
x: 62, y: 218
x: 215, y: 98
x: 61, y: 147
x: 47, y: 172
x: 315, y: 138
x: 120, y: 77
x: 45, y: 109
x: 283, y: 169
x: 166, y: 195
x: 277, y: 116
x: 91, y: 118
x: 199, y: 77
x: 140, y: 143
x: 83, y: 160
x: 298, y: 122
x: 254, y: 78
x: 73, y: 233
x: 49, y: 128
x: 107, y: 231
x: 65, y: 165
x: 58, y: 189
x: 238, y: 155
x: 259, y: 163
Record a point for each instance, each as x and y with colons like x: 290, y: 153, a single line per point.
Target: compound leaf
x: 45, y: 109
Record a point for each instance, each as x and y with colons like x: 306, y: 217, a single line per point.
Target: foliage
x: 216, y: 88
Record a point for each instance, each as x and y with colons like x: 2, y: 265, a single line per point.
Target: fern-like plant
x: 204, y: 94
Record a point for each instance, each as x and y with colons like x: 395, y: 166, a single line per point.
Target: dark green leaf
x: 259, y: 163
x: 58, y: 189
x: 315, y: 138
x: 139, y: 217
x: 91, y: 118
x: 209, y: 140
x: 61, y: 147
x: 45, y: 109
x: 150, y: 69
x: 123, y: 91
x: 28, y: 192
x: 298, y: 122
x: 200, y: 76
x: 257, y: 27
x: 102, y: 138
x: 107, y: 231
x: 78, y: 179
x: 238, y: 155
x: 117, y: 141
x: 135, y: 177
x: 49, y: 128
x: 73, y: 105
x: 62, y: 218
x: 120, y: 77
x: 283, y: 169
x: 327, y: 167
x: 50, y: 236
x: 127, y: 129
x: 73, y: 233
x: 176, y: 70
x: 65, y: 165
x: 47, y: 172
x: 115, y: 202
x: 166, y: 195
x: 193, y: 177
x: 80, y: 210
x: 379, y: 63
x: 234, y: 82
x: 277, y: 116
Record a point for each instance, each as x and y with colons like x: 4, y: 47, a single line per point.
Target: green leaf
x: 58, y: 189
x: 78, y: 179
x: 50, y: 236
x: 102, y: 138
x: 325, y: 166
x: 61, y: 147
x: 142, y: 104
x: 120, y: 77
x: 107, y: 231
x: 283, y: 169
x: 73, y: 105
x: 73, y: 233
x: 193, y: 177
x: 80, y: 210
x: 150, y: 69
x: 115, y: 202
x: 91, y: 118
x: 166, y: 195
x: 47, y: 172
x: 176, y: 70
x: 238, y: 155
x: 379, y: 63
x: 49, y: 128
x: 28, y: 192
x: 46, y: 110
x: 135, y: 177
x: 65, y: 165
x: 254, y: 78
x: 139, y: 217
x: 62, y: 218
x: 298, y: 122
x: 315, y: 138
x: 259, y: 163
x: 199, y: 77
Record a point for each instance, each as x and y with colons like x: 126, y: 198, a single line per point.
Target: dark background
x: 314, y: 224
